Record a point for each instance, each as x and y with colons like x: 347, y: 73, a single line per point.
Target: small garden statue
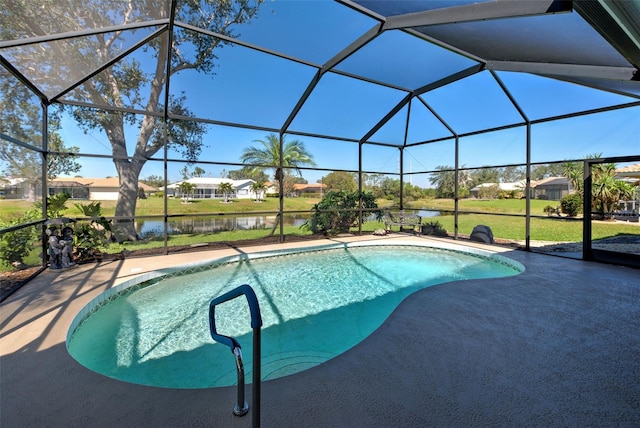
x: 55, y: 249
x: 60, y: 248
x: 67, y: 247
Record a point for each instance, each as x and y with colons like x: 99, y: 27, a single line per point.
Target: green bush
x: 56, y: 205
x: 571, y: 204
x: 17, y: 244
x: 330, y: 217
x: 433, y: 228
x: 489, y: 192
x: 91, y: 237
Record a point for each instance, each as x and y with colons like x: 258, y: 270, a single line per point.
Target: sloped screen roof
x: 305, y: 66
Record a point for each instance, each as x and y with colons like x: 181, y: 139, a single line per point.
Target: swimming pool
x: 315, y: 305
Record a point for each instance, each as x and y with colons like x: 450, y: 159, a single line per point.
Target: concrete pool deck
x: 558, y: 345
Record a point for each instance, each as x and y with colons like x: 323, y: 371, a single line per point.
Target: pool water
x: 314, y: 305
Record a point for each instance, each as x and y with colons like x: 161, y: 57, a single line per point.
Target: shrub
x: 56, y: 205
x: 90, y: 237
x: 571, y: 204
x: 463, y: 192
x: 329, y: 217
x: 489, y: 192
x: 16, y: 245
x: 433, y: 228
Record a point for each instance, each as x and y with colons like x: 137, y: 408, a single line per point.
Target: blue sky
x: 254, y: 88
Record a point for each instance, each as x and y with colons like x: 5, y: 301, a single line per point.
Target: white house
x: 207, y: 187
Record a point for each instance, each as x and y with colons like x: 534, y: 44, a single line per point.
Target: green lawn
x: 155, y: 206
x: 503, y: 226
x: 506, y: 206
x: 11, y: 209
x: 508, y: 227
x: 542, y: 229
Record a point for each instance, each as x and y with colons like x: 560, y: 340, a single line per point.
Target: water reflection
x: 427, y: 213
x: 193, y: 225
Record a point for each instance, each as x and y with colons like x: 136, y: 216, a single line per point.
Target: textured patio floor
x: 558, y: 345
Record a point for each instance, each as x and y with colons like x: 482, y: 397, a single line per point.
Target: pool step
x: 279, y: 365
x: 288, y: 363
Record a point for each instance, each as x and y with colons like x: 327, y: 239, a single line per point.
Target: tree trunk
x: 275, y: 225
x: 124, y: 225
x: 128, y: 172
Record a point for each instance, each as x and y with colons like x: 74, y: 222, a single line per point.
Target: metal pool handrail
x: 242, y: 407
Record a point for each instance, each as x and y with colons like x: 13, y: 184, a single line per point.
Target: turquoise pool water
x: 315, y: 305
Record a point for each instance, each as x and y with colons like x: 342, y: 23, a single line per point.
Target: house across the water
x: 209, y: 187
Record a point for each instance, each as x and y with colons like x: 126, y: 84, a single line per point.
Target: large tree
x: 444, y: 180
x: 127, y: 85
x: 512, y: 174
x: 156, y: 181
x: 539, y: 172
x: 482, y: 176
x: 340, y: 180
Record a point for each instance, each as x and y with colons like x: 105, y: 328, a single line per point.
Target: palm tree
x: 226, y: 188
x: 258, y: 187
x: 574, y: 173
x: 607, y: 191
x: 294, y: 155
x: 186, y: 189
